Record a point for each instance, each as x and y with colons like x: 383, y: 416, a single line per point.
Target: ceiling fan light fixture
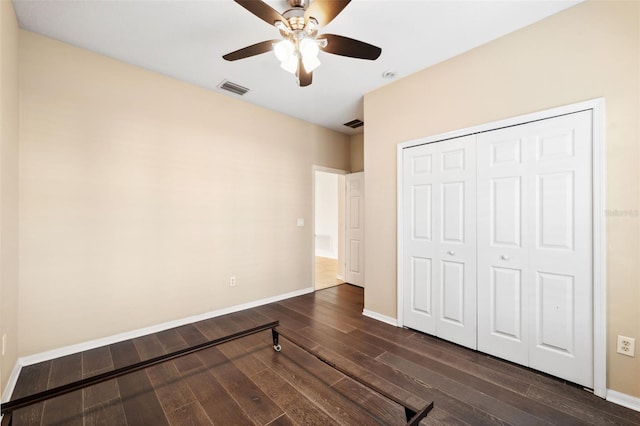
x: 300, y: 45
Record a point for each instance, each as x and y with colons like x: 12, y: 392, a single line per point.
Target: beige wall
x: 357, y: 153
x: 588, y: 51
x: 141, y: 195
x: 8, y: 188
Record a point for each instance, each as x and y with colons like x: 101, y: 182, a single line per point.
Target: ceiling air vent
x: 354, y: 124
x: 233, y: 87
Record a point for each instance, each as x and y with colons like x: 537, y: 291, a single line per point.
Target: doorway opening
x: 328, y: 227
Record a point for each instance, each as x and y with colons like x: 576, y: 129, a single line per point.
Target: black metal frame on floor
x: 7, y: 409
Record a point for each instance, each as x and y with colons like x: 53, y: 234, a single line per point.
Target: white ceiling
x: 186, y: 39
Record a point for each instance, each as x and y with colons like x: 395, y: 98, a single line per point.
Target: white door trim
x: 597, y: 107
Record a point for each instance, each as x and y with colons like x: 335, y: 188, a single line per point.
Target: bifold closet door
x: 439, y: 239
x: 534, y: 245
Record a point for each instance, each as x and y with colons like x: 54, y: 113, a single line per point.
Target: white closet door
x: 534, y: 245
x: 439, y: 240
x: 419, y: 245
x: 502, y: 245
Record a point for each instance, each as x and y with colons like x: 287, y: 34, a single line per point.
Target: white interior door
x: 354, y: 250
x: 534, y: 245
x: 439, y: 240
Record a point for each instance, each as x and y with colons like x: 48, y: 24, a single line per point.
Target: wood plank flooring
x: 245, y: 382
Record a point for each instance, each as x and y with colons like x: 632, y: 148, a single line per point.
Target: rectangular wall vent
x: 354, y: 124
x: 233, y: 87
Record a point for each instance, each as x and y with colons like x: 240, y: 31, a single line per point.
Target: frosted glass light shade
x: 291, y: 64
x: 284, y: 50
x: 310, y: 63
x: 309, y: 48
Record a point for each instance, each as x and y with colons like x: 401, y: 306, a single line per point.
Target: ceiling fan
x: 300, y: 44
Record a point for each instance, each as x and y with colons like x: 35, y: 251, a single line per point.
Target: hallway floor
x: 326, y: 273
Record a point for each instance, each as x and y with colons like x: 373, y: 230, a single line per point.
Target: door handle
x: 504, y: 257
x: 451, y: 252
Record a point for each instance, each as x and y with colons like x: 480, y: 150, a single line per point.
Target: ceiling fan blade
x: 325, y: 10
x: 262, y: 11
x: 345, y: 46
x: 254, y: 49
x: 304, y: 77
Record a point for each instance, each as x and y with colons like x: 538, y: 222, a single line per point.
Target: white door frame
x: 597, y: 106
x: 315, y: 169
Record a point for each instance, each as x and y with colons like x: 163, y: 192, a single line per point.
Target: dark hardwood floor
x: 246, y: 382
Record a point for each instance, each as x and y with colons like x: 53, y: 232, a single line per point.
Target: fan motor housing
x: 299, y: 3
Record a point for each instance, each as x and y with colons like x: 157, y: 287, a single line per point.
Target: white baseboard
x: 80, y: 347
x: 380, y: 317
x: 11, y: 384
x: 623, y: 399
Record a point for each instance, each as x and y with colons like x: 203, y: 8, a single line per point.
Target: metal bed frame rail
x: 413, y: 414
x: 7, y: 409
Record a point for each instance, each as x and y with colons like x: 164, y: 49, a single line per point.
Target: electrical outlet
x: 4, y: 344
x: 626, y: 346
x: 232, y: 282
